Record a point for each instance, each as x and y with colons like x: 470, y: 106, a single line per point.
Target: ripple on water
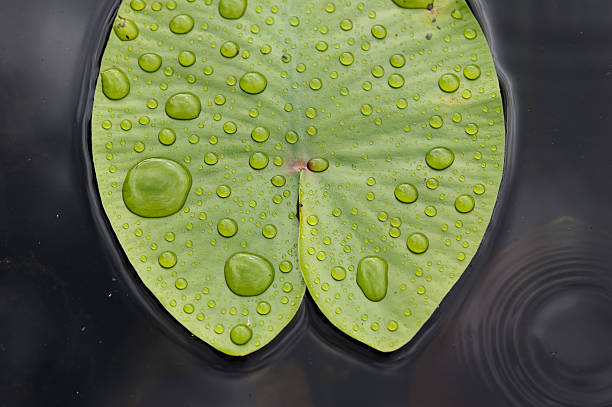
x: 540, y: 327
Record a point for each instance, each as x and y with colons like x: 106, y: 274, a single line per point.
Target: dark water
x: 530, y: 324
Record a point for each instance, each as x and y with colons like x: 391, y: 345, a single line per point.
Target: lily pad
x: 381, y: 122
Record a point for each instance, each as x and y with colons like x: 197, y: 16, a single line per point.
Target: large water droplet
x: 406, y: 193
x: 248, y: 274
x: 241, y: 334
x: 260, y: 134
x: 253, y: 83
x: 183, y: 106
x: 181, y: 24
x: 156, y: 187
x: 439, y: 158
x: 232, y: 9
x: 417, y: 243
x: 125, y: 29
x: 372, y: 277
x: 115, y: 84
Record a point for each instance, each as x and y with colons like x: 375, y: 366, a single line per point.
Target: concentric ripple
x: 541, y: 327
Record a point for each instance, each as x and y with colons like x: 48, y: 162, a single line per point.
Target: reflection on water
x: 538, y: 327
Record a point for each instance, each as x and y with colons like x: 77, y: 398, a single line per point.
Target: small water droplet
x: 248, y: 274
x: 346, y: 58
x: 180, y: 283
x: 260, y: 134
x: 321, y: 46
x: 426, y: 4
x: 392, y: 325
x: 285, y: 266
x: 223, y: 191
x: 396, y: 80
x: 479, y: 189
x: 338, y: 273
x: 263, y: 308
x: 436, y: 121
x: 470, y: 33
x: 397, y: 60
x: 431, y: 211
x: 186, y: 58
x: 471, y: 72
x: 346, y: 24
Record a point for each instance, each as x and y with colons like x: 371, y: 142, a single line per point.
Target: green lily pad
x: 381, y: 121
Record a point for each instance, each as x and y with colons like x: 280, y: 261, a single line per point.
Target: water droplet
x: 223, y: 191
x: 321, y: 46
x: 211, y: 158
x: 396, y: 80
x: 260, y: 134
x: 269, y: 231
x: 436, y: 121
x: 366, y: 109
x: 397, y: 60
x: 372, y: 277
x: 263, y: 308
x: 346, y: 24
x: 115, y: 84
x: 285, y: 266
x: 439, y: 158
x: 338, y: 273
x: 317, y: 164
x: 431, y: 211
x: 126, y: 30
x: 456, y: 14
x: 471, y: 129
x: 278, y: 180
x: 253, y: 83
x: 417, y: 243
x: 312, y: 220
x: 406, y: 193
x: 137, y: 5
x: 186, y: 58
x: 166, y: 136
x: 156, y: 187
x: 167, y: 259
x: 183, y: 106
x: 346, y: 58
x: 241, y: 334
x: 149, y: 62
x: 379, y: 31
x: 464, y: 203
x: 471, y: 72
x: 181, y: 24
x: 248, y: 274
x: 392, y: 325
x: 229, y: 49
x: 378, y: 71
x: 232, y: 9
x: 180, y: 283
x: 449, y: 82
x: 470, y: 33
x: 479, y: 189
x: 258, y: 160
x: 227, y: 227
x: 219, y: 329
x: 139, y: 146
x: 315, y: 84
